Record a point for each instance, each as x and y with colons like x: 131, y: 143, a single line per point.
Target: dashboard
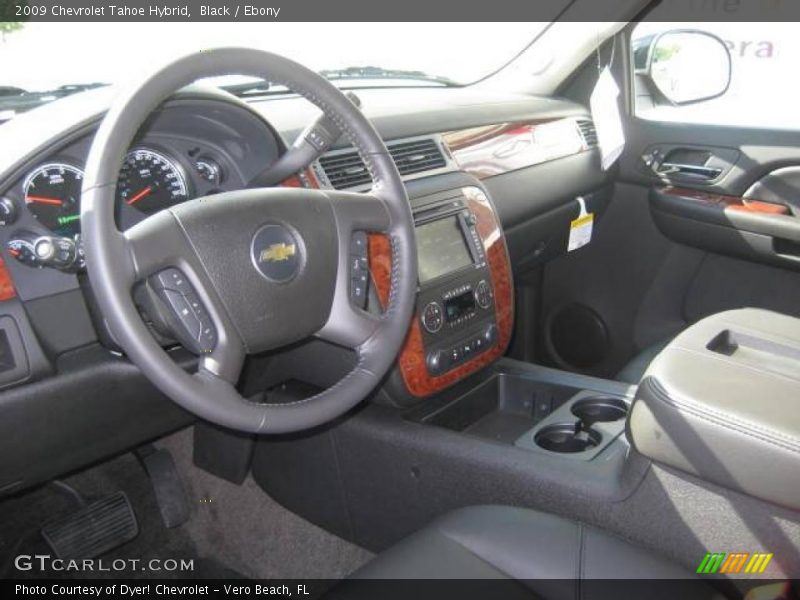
x: 492, y: 179
x: 204, y: 141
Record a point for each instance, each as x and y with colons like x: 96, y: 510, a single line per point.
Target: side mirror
x: 684, y: 65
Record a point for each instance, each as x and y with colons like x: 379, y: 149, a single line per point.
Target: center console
x: 464, y: 310
x: 551, y: 413
x: 722, y: 402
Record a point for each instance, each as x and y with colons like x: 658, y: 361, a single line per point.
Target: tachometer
x: 149, y: 181
x: 53, y: 195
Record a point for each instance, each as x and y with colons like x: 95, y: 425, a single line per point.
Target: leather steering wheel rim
x: 118, y: 261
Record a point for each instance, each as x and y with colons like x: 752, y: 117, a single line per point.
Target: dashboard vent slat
x: 588, y: 132
x: 346, y: 169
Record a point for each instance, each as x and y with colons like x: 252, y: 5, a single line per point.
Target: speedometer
x: 149, y: 181
x: 53, y: 195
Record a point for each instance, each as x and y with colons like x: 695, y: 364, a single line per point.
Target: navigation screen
x: 441, y: 248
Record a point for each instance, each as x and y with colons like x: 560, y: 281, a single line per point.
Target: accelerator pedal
x: 167, y: 487
x: 93, y: 529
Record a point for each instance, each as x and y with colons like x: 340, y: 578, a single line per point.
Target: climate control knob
x: 483, y: 294
x: 432, y: 317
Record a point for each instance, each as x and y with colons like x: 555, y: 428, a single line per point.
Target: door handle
x: 696, y: 171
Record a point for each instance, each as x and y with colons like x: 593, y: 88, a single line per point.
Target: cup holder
x: 567, y: 438
x: 599, y: 409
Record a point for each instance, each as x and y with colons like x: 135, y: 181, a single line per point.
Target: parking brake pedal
x: 93, y: 529
x: 170, y: 495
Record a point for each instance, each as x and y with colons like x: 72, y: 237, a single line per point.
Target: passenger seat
x: 540, y: 556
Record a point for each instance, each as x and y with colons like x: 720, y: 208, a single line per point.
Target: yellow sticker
x: 580, y: 231
x: 581, y: 221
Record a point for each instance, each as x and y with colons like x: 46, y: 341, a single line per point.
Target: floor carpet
x: 234, y: 531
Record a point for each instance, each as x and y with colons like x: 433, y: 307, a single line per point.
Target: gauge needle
x: 44, y: 200
x: 139, y: 195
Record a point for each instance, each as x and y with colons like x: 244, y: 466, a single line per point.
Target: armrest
x: 722, y: 401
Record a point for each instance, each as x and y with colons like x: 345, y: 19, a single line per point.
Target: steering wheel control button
x: 433, y: 317
x: 483, y: 294
x: 359, y: 269
x: 277, y: 253
x: 173, y: 279
x: 194, y: 327
x: 358, y: 243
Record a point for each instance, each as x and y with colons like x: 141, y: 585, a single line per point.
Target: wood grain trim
x: 7, y: 289
x: 727, y: 202
x: 411, y: 361
x: 296, y: 182
x: 380, y: 265
x: 496, y: 149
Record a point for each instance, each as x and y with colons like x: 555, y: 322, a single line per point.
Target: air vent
x: 588, y: 132
x: 346, y: 170
x: 417, y: 156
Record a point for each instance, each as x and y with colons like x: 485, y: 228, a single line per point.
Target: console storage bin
x: 722, y: 401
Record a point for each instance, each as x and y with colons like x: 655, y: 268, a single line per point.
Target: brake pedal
x: 170, y: 495
x: 93, y: 529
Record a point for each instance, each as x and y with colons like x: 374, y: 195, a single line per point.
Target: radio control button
x: 432, y: 317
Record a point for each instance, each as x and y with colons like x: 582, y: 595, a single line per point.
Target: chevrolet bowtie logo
x: 277, y: 253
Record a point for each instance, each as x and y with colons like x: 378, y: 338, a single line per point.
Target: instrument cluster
x: 151, y: 179
x: 199, y: 143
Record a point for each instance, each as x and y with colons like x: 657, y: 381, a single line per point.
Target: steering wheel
x: 252, y: 270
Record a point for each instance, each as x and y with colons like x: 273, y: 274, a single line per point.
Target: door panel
x: 646, y: 287
x: 710, y: 223
x: 781, y: 186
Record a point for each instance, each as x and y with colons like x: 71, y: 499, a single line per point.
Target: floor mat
x: 22, y: 517
x: 234, y: 531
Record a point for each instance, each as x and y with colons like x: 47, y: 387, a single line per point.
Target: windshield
x: 40, y: 62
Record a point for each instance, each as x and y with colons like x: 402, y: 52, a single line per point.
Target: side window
x: 674, y: 70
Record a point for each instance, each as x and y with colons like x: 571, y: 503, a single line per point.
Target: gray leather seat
x: 634, y: 370
x: 540, y: 553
